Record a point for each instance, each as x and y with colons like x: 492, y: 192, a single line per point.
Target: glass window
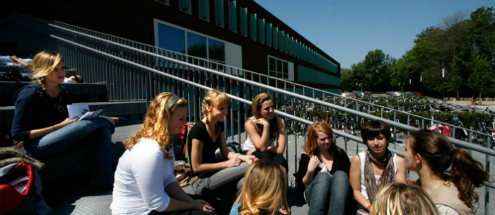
x: 163, y: 1
x: 253, y: 27
x: 262, y: 30
x: 281, y: 45
x: 216, y: 50
x: 219, y: 13
x: 185, y: 6
x: 244, y: 22
x: 275, y: 38
x: 204, y: 13
x: 269, y: 34
x: 278, y: 68
x: 196, y: 45
x: 233, y: 17
x: 171, y: 38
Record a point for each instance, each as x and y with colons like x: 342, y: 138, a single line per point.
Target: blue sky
x: 348, y: 29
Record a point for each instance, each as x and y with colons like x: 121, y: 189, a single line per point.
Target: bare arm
x: 37, y: 133
x: 23, y: 63
x: 401, y: 170
x: 281, y: 139
x: 260, y: 142
x: 355, y: 181
x: 197, y: 159
x: 312, y: 164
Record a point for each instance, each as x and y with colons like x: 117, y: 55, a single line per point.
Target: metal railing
x: 141, y: 73
x: 260, y: 78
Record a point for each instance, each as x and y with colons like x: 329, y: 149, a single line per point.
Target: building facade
x: 239, y: 33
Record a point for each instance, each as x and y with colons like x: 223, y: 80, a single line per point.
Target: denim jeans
x: 329, y: 194
x: 98, y: 131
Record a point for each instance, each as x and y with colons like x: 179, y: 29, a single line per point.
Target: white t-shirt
x: 140, y: 180
x: 69, y: 81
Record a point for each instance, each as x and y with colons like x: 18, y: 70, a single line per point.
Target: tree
x: 374, y: 72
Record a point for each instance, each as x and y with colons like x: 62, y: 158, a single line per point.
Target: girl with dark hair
x: 430, y: 154
x: 375, y: 167
x: 266, y: 132
x: 323, y: 174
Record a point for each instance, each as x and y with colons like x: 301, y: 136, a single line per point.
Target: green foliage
x: 463, y: 46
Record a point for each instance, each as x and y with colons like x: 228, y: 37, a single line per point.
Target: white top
x: 140, y: 180
x: 362, y: 157
x: 248, y: 144
x: 69, y: 81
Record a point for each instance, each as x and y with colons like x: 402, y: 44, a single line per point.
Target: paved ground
x: 72, y: 195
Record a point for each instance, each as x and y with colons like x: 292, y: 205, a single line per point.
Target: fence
x: 137, y: 72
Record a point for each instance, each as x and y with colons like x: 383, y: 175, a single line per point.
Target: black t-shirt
x: 200, y: 133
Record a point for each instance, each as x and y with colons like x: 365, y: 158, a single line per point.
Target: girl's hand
x: 313, y: 163
x: 66, y: 122
x: 262, y: 121
x: 249, y: 159
x: 233, y: 162
x: 203, y: 205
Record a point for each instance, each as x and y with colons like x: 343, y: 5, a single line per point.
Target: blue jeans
x: 98, y: 131
x: 328, y: 194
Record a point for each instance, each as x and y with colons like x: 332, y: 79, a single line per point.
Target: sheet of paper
x: 77, y: 110
x: 90, y: 115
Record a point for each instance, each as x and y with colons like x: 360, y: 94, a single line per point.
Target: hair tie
x: 171, y: 102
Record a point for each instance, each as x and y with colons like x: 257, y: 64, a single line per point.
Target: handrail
x: 145, y: 48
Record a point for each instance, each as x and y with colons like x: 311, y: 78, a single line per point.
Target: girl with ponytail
x: 430, y: 154
x: 206, y: 136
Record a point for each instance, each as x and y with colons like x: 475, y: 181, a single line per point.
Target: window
x: 233, y: 17
x: 275, y: 38
x: 262, y: 30
x: 253, y: 27
x: 278, y: 68
x: 219, y: 13
x: 196, y: 45
x: 204, y: 10
x: 244, y: 22
x: 171, y: 39
x: 164, y: 1
x: 216, y: 50
x: 269, y: 34
x: 281, y: 45
x: 185, y: 6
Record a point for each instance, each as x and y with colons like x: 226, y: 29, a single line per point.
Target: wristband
x: 368, y: 208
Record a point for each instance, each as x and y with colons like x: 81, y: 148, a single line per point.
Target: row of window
x: 305, y: 74
x: 189, y: 43
x: 268, y: 34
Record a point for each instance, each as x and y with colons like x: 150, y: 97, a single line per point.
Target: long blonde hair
x: 155, y: 123
x: 402, y: 199
x: 213, y: 98
x: 264, y: 190
x: 44, y: 64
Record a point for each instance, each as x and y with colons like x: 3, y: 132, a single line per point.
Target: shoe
x: 123, y: 121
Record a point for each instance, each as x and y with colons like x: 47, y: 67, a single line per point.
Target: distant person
x: 430, y: 154
x: 144, y: 179
x: 402, y: 199
x: 215, y: 175
x: 375, y: 167
x: 28, y: 63
x: 323, y: 173
x: 41, y: 127
x: 74, y: 79
x: 264, y: 190
x: 266, y: 131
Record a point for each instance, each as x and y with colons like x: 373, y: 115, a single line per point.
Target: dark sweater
x: 340, y: 162
x: 199, y: 132
x: 35, y: 109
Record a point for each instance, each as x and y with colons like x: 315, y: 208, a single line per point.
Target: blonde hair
x: 213, y: 98
x: 264, y: 190
x: 311, y: 146
x: 44, y: 64
x: 402, y: 199
x: 155, y: 123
